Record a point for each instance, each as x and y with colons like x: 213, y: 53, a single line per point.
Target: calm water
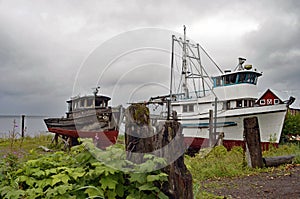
x: 34, y: 125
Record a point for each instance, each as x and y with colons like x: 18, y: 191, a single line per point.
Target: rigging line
x: 211, y: 59
x: 200, y: 65
x: 205, y: 74
x: 207, y: 84
x: 203, y: 70
x: 195, y: 88
x: 210, y: 88
x: 198, y: 62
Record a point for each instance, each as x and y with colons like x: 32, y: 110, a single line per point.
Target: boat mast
x: 184, y: 64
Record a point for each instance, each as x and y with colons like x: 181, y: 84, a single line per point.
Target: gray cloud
x: 43, y: 45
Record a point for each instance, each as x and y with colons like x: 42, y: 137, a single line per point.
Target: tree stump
x: 138, y: 133
x: 171, y: 143
x: 167, y: 142
x: 252, y: 138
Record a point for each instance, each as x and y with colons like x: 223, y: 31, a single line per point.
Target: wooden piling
x: 210, y: 129
x: 138, y: 133
x: 167, y: 142
x: 252, y: 141
x: 179, y: 183
x: 23, y: 126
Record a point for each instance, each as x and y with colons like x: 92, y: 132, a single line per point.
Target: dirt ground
x: 276, y: 184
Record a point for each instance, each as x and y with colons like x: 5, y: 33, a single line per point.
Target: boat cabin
x: 237, y: 89
x: 87, y: 102
x: 236, y: 77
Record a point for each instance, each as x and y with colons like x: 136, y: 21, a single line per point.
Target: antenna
x: 96, y: 90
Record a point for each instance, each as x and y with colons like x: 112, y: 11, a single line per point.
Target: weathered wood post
x: 210, y: 129
x: 252, y: 142
x: 278, y: 160
x: 180, y: 183
x: 23, y: 126
x: 138, y: 132
x: 167, y: 143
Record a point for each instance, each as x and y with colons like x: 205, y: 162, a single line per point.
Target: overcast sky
x: 51, y: 50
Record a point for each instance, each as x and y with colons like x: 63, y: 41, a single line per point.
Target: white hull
x: 270, y: 118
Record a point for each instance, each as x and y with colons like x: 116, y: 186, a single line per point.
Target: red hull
x: 104, y: 138
x: 198, y: 143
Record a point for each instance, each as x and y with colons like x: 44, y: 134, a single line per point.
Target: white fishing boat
x: 230, y: 95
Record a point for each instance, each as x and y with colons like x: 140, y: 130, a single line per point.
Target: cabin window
x: 251, y: 103
x: 246, y: 103
x: 218, y: 81
x: 191, y: 108
x: 230, y: 79
x: 89, y: 102
x: 241, y: 78
x: 251, y: 78
x: 188, y: 108
x: 82, y: 103
x: 97, y: 103
x: 247, y: 78
x: 70, y: 106
x: 239, y: 103
x: 184, y: 108
x: 276, y: 101
x: 228, y: 105
x: 262, y: 102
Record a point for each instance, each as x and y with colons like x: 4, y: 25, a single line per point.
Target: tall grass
x: 220, y: 163
x: 286, y: 149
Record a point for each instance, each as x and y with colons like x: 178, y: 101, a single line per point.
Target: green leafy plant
x: 80, y: 174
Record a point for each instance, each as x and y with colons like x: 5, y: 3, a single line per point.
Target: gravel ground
x: 276, y: 184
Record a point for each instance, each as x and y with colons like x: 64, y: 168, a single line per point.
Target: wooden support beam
x: 252, y: 138
x: 278, y: 160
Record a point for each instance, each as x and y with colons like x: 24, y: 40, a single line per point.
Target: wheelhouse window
x: 230, y: 79
x: 101, y: 103
x: 247, y: 78
x: 246, y: 103
x: 228, y: 105
x: 242, y: 78
x: 89, y: 102
x: 239, y: 103
x: 70, y: 106
x: 82, y: 103
x: 218, y: 81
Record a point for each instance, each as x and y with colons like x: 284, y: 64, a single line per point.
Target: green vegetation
x: 220, y: 163
x: 26, y: 171
x: 79, y: 174
x: 291, y: 125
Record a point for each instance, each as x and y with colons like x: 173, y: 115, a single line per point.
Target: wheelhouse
x: 87, y: 102
x: 238, y: 77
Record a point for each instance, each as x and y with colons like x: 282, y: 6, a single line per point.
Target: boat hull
x: 103, y: 138
x: 270, y: 119
x: 100, y: 124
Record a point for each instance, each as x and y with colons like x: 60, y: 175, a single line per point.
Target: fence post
x: 23, y: 126
x: 252, y: 142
